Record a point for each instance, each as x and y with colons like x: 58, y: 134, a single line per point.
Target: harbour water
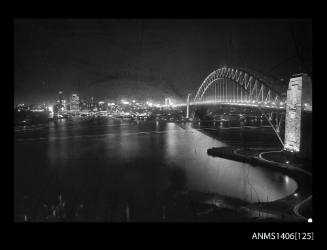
x: 106, y: 169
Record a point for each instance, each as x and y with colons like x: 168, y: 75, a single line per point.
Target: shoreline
x: 290, y: 204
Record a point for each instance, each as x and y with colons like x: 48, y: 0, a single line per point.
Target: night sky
x: 149, y: 58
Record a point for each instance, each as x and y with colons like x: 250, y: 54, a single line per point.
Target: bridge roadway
x: 305, y: 107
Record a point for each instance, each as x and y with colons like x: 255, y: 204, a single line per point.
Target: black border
x: 187, y: 232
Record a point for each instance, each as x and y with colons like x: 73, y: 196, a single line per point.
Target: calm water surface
x: 102, y: 167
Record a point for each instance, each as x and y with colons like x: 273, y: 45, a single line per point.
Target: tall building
x: 168, y: 102
x: 93, y: 105
x: 84, y: 104
x: 60, y: 97
x: 74, y: 103
x: 102, y: 106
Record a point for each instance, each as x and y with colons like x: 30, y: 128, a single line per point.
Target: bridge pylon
x: 298, y: 115
x: 188, y: 107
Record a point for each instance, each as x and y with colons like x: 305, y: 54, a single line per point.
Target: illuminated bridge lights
x: 237, y: 86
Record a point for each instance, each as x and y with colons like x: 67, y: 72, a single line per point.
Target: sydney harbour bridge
x: 282, y: 106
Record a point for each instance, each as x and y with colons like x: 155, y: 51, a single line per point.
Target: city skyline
x: 66, y: 97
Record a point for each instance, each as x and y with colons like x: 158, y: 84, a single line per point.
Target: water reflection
x: 188, y: 149
x: 57, y: 148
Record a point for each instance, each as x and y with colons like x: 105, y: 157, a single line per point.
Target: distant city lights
x: 149, y: 104
x: 125, y: 102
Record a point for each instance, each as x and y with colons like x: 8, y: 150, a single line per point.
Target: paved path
x: 297, y: 207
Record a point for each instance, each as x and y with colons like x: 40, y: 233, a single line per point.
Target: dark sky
x: 149, y: 58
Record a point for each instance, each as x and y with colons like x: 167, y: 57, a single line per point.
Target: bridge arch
x: 260, y: 89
